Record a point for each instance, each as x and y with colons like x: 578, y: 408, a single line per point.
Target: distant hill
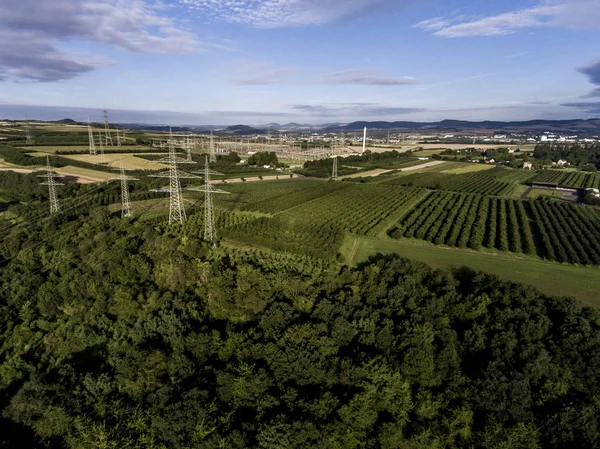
x: 591, y: 125
x: 242, y: 130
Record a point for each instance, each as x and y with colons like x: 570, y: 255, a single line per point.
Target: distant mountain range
x: 575, y: 126
x: 591, y: 125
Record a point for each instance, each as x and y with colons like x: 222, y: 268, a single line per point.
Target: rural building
x: 527, y: 165
x: 561, y: 162
x: 595, y: 192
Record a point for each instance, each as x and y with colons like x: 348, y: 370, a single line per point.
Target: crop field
x: 469, y: 183
x: 270, y: 197
x: 574, y: 179
x: 511, y: 174
x: 130, y: 161
x: 358, y: 209
x: 85, y: 175
x: 469, y: 168
x: 551, y: 278
x: 319, y: 241
x: 551, y: 229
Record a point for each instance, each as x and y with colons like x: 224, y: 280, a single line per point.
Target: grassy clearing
x: 85, y: 175
x: 427, y: 153
x: 518, y: 191
x: 130, y: 161
x: 549, y: 277
x: 535, y: 193
x: 468, y: 168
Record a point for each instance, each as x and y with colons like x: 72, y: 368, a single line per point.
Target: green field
x: 469, y: 168
x: 549, y: 277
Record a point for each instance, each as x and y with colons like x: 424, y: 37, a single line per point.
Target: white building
x: 527, y: 165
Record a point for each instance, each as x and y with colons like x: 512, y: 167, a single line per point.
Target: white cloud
x: 284, y: 13
x: 556, y: 13
x: 364, y: 77
x: 32, y: 31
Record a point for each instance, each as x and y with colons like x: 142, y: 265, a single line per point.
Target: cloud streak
x: 284, y: 13
x: 353, y: 110
x: 31, y: 41
x: 575, y: 14
x: 592, y: 107
x: 363, y: 77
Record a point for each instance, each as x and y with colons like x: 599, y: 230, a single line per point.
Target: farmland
x: 574, y: 179
x: 552, y: 230
x: 389, y: 200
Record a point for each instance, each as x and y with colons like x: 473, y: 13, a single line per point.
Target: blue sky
x: 308, y: 61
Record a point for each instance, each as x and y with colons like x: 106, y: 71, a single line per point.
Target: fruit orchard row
x: 358, y: 208
x: 479, y: 183
x: 574, y: 179
x: 550, y: 229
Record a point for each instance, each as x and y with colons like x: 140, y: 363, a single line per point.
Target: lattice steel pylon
x: 91, y: 139
x: 118, y: 138
x: 51, y: 183
x: 28, y: 138
x: 211, y: 149
x: 334, y: 172
x: 176, y: 206
x: 189, y: 145
x: 101, y: 147
x: 109, y: 140
x: 210, y: 231
x: 126, y: 210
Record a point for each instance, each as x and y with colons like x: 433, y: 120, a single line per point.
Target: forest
x: 121, y: 334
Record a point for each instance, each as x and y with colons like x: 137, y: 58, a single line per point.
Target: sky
x: 219, y: 62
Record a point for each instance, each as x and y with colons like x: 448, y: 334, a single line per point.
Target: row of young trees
x: 550, y: 229
x: 479, y: 183
x: 573, y: 179
x: 356, y: 208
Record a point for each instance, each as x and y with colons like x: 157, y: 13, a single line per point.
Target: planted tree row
x: 574, y: 179
x: 553, y: 230
x: 357, y: 209
x: 479, y: 183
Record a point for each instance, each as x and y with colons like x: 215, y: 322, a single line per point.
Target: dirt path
x: 425, y: 165
x: 17, y: 170
x: 353, y: 251
x: 371, y: 173
x: 252, y: 179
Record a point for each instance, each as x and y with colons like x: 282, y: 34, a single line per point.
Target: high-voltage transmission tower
x: 126, y: 211
x: 118, y: 138
x: 210, y: 231
x: 334, y: 172
x: 211, y: 149
x: 101, y: 146
x: 28, y: 138
x: 108, y: 140
x: 176, y: 206
x: 51, y: 183
x: 91, y: 139
x: 189, y: 144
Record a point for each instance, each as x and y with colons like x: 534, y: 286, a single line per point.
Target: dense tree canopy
x: 116, y: 335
